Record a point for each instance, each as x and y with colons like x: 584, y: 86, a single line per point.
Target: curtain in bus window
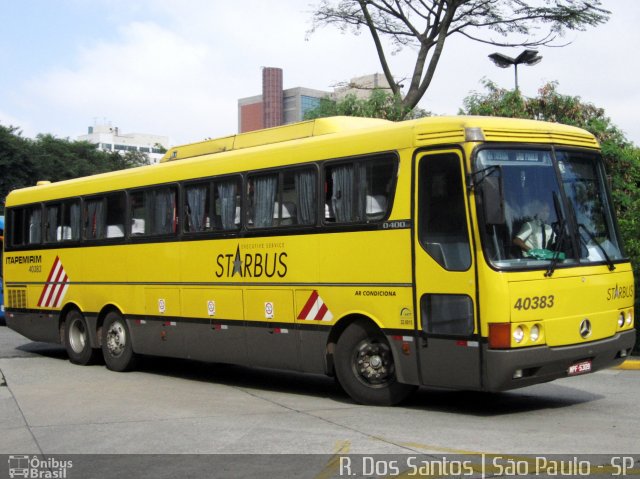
x: 94, y: 222
x: 94, y: 228
x: 75, y: 220
x: 227, y: 194
x: 343, y: 195
x: 52, y: 223
x: 197, y: 204
x: 361, y: 191
x: 376, y: 181
x: 306, y: 190
x: 165, y: 209
x: 35, y: 225
x: 265, y: 188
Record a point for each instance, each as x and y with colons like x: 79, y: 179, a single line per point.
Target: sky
x: 177, y: 67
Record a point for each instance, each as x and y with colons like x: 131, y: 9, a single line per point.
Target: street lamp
x: 527, y: 57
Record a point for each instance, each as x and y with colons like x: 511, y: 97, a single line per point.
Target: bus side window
x: 165, y: 212
x: 297, y: 203
x: 341, y: 196
x: 154, y: 211
x: 261, y: 196
x: 227, y: 203
x: 379, y: 178
x: 359, y: 191
x: 94, y: 222
x: 104, y: 216
x: 115, y: 215
x: 25, y: 226
x: 138, y: 212
x: 197, y: 205
x: 62, y: 222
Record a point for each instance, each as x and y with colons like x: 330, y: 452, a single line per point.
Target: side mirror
x: 493, y: 199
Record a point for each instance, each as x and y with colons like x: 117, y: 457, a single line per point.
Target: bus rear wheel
x: 116, y: 343
x: 365, y: 369
x: 76, y: 339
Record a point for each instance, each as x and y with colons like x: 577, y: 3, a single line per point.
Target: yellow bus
x: 460, y: 252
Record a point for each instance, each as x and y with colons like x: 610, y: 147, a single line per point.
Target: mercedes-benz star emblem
x: 585, y: 328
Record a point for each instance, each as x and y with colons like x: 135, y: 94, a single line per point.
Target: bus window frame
x: 9, y: 218
x: 280, y: 171
x: 44, y: 231
x: 154, y: 237
x: 85, y: 241
x: 211, y: 181
x: 391, y: 155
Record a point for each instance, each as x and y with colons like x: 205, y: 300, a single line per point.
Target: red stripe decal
x: 46, y: 286
x: 323, y: 310
x: 307, y: 307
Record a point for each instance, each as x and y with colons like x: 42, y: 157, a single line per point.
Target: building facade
x: 109, y: 138
x: 277, y: 106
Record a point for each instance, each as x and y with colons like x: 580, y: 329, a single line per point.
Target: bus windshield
x: 552, y: 208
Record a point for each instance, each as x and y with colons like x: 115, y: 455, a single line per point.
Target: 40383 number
x: 535, y: 302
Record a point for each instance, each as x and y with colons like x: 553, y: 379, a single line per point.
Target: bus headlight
x: 621, y: 319
x: 534, y: 334
x: 518, y: 334
x: 629, y: 319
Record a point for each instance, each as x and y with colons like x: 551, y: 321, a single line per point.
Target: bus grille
x: 17, y: 298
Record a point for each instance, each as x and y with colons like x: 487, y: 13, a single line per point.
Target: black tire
x: 116, y: 343
x: 77, y: 339
x: 365, y: 369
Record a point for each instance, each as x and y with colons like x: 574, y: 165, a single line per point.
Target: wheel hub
x: 116, y: 339
x: 373, y: 363
x: 77, y: 336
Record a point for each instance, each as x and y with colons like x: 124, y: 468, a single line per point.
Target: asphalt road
x: 50, y: 407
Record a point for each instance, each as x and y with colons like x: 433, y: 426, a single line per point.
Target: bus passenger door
x: 449, y: 349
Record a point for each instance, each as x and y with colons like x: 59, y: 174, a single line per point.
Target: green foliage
x: 495, y: 102
x: 16, y: 164
x: 24, y: 161
x: 380, y: 104
x: 621, y: 157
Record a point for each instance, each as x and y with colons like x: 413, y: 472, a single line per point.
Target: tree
x: 380, y: 104
x: 425, y: 25
x: 621, y: 157
x: 24, y: 161
x: 16, y: 165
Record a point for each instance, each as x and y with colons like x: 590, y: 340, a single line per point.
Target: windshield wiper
x: 610, y: 264
x: 473, y: 182
x: 559, y: 243
x: 557, y: 255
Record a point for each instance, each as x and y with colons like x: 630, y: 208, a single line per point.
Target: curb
x: 630, y: 365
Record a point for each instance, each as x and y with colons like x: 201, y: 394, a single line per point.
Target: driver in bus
x: 536, y: 234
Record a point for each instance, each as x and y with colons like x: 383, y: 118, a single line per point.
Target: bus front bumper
x: 516, y: 368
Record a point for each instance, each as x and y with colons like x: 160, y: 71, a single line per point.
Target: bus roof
x: 267, y: 136
x: 429, y: 130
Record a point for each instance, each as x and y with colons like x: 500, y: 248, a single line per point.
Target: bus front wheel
x: 365, y: 369
x: 116, y: 343
x: 76, y: 339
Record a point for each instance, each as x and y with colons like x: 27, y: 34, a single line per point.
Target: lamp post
x: 527, y: 57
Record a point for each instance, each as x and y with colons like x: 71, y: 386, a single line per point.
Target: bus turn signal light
x: 499, y: 335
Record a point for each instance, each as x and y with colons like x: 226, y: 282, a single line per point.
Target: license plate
x: 582, y: 367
